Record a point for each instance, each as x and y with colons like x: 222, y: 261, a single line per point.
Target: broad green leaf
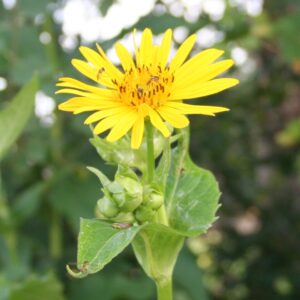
x: 193, y: 204
x: 156, y: 247
x: 14, y: 117
x: 98, y: 243
x: 37, y: 288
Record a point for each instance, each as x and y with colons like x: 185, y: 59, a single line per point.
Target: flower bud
x: 128, y: 179
x: 124, y: 218
x: 107, y: 207
x: 144, y: 214
x: 155, y: 200
x: 130, y: 185
x: 127, y: 202
x: 132, y: 202
x: 153, y: 197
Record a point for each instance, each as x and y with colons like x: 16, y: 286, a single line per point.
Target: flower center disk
x: 146, y: 85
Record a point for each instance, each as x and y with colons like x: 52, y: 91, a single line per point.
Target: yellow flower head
x: 148, y: 87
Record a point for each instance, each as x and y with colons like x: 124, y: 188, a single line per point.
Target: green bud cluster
x: 152, y: 201
x: 125, y: 199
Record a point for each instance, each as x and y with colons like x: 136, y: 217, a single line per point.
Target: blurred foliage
x: 253, y: 250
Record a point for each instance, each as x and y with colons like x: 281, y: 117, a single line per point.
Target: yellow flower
x: 148, y: 87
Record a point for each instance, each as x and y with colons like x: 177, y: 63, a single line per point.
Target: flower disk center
x: 149, y: 85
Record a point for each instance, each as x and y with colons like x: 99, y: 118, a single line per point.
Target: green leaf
x: 37, y: 288
x: 194, y: 202
x: 156, y: 247
x: 98, y: 243
x: 14, y: 117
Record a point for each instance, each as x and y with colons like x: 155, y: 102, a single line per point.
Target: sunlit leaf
x: 98, y: 243
x: 191, y: 194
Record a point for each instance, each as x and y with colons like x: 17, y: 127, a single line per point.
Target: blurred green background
x: 253, y: 250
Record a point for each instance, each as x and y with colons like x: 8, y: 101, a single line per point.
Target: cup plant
x: 158, y: 196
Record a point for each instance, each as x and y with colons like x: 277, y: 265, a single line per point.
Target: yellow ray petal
x: 199, y: 61
x: 158, y: 123
x: 85, y: 109
x: 101, y: 62
x: 124, y: 56
x: 204, y: 89
x: 155, y: 56
x: 164, y: 48
x: 95, y: 107
x: 183, y: 52
x: 200, y: 75
x: 124, y: 124
x: 146, y: 48
x: 137, y: 131
x: 136, y: 50
x: 104, y: 113
x: 197, y: 109
x: 100, y: 98
x: 174, y: 117
x: 79, y: 102
x: 84, y: 68
x: 92, y: 56
x: 76, y: 84
x: 79, y: 93
x: 106, y: 124
x: 92, y: 72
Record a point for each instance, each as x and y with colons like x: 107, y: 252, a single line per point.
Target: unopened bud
x: 130, y: 185
x: 107, y: 207
x: 124, y: 218
x: 144, y: 214
x: 155, y: 200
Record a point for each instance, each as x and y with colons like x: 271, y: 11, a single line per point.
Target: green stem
x: 162, y: 215
x: 150, y: 152
x: 164, y: 290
